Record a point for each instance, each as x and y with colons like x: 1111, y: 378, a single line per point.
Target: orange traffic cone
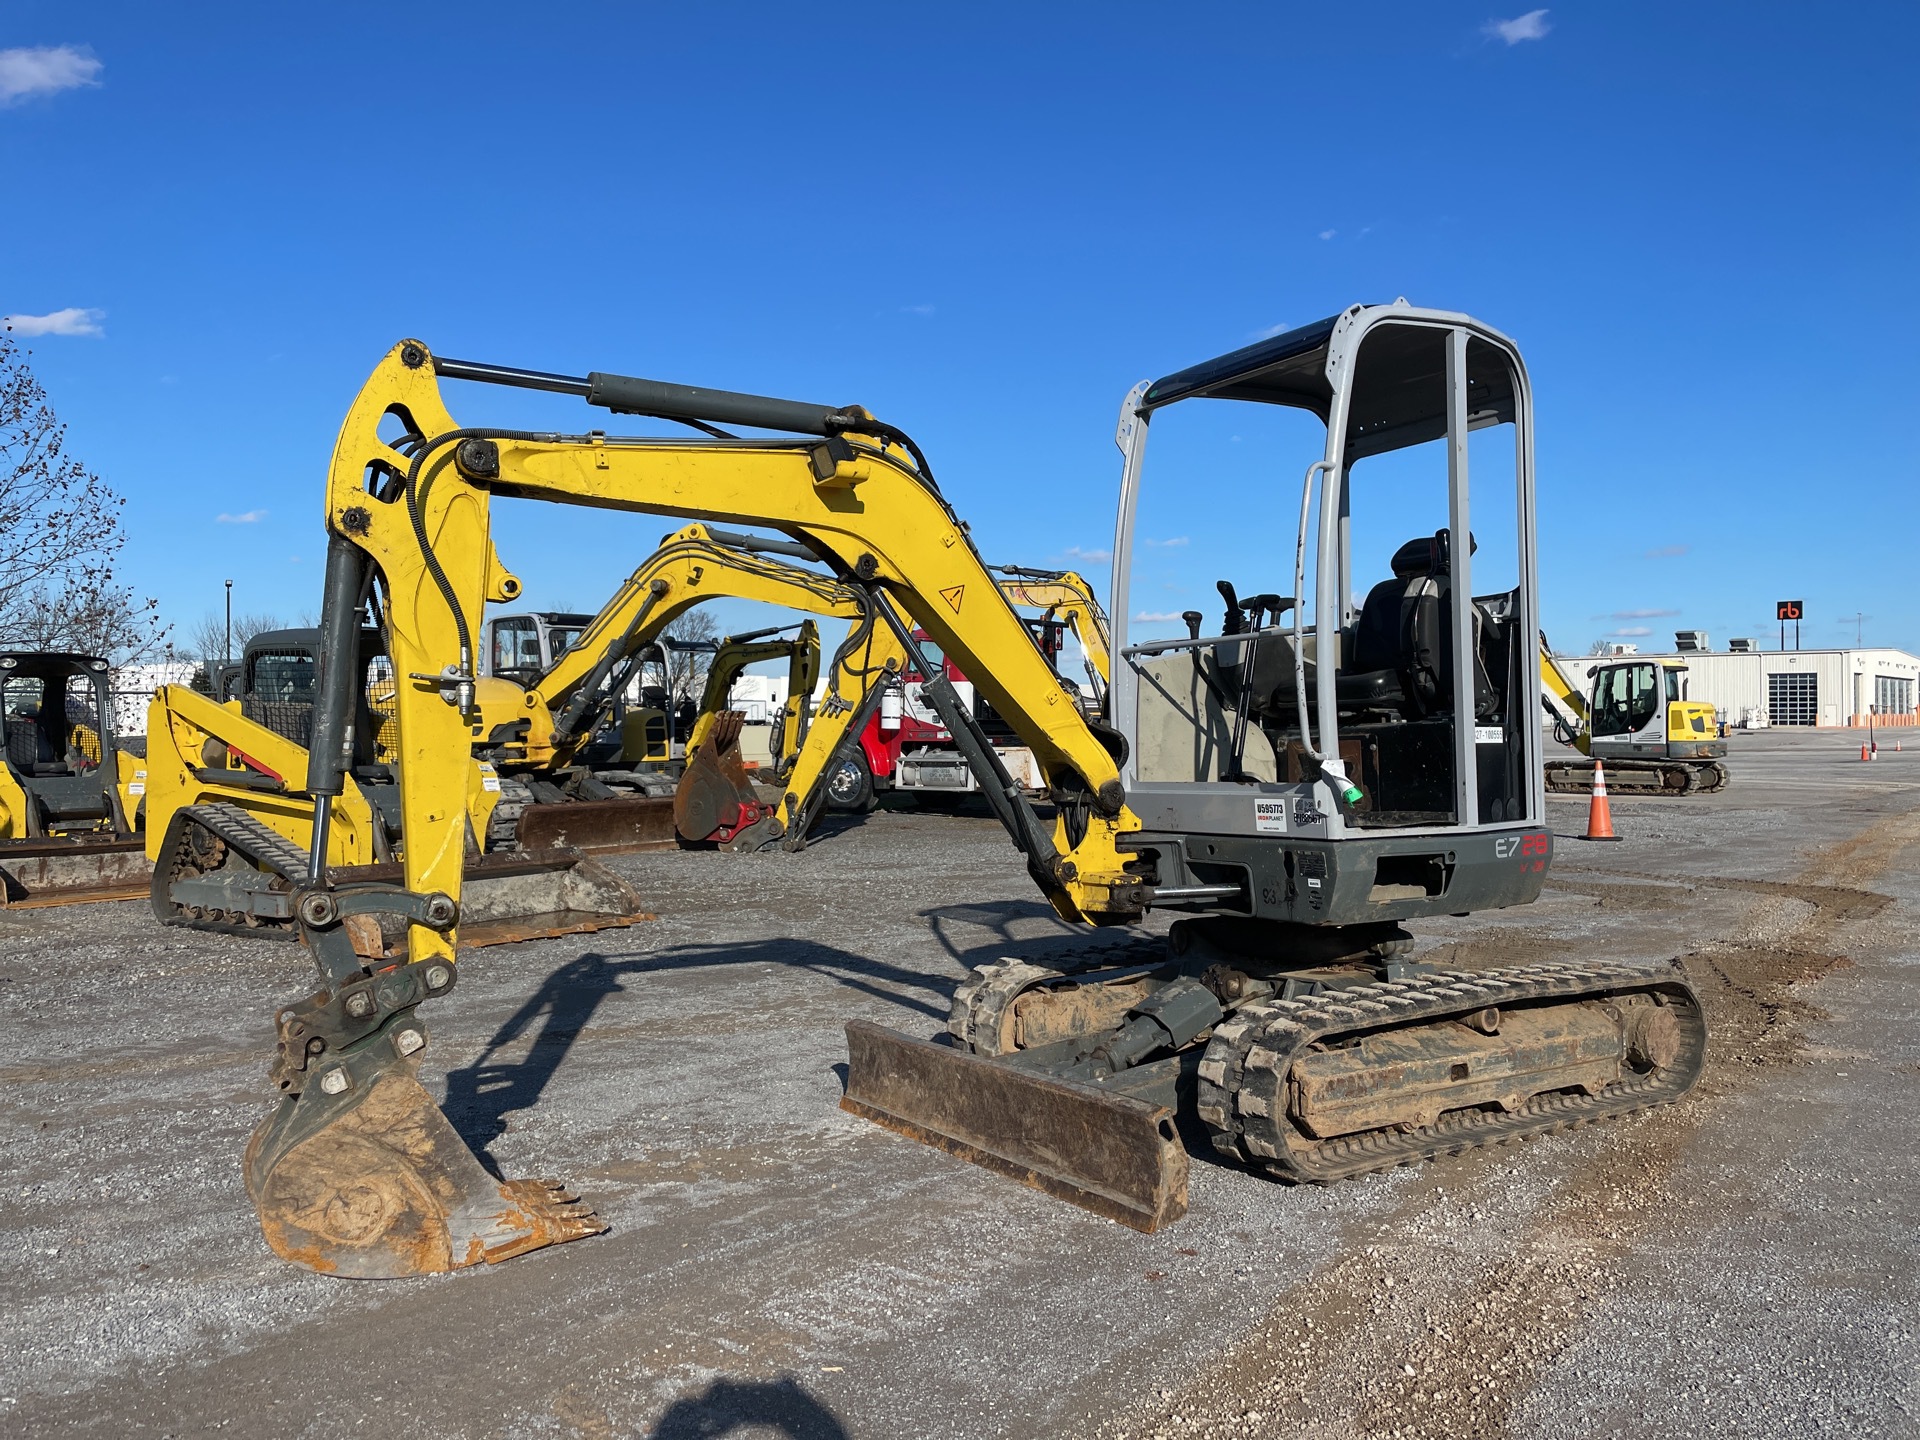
x: 1599, y: 813
x: 1865, y: 753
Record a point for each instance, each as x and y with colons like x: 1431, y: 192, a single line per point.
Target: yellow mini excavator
x: 1292, y: 789
x: 1638, y: 721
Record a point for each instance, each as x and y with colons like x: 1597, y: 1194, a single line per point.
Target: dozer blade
x: 374, y: 1183
x: 525, y: 895
x: 1108, y: 1153
x: 609, y: 827
x: 58, y: 871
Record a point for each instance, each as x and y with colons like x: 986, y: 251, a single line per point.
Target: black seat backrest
x: 27, y: 744
x: 1405, y: 624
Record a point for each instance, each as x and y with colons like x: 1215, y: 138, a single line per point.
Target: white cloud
x: 1530, y: 26
x: 1328, y: 234
x: 44, y: 70
x: 1632, y: 632
x: 1169, y: 544
x: 70, y: 321
x: 1642, y: 614
x: 1667, y: 552
x: 1271, y: 331
x: 246, y: 517
x: 916, y: 309
x: 1092, y: 557
x: 1157, y: 617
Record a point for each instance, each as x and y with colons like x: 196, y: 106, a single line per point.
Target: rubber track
x: 1244, y: 1074
x: 267, y: 849
x: 1628, y: 777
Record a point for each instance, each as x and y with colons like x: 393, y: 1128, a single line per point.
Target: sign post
x: 1785, y: 610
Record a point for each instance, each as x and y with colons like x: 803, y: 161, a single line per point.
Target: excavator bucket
x: 60, y: 871
x: 527, y: 895
x: 1109, y: 1153
x: 716, y: 802
x: 374, y: 1183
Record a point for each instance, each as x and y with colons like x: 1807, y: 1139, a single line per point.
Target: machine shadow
x: 482, y: 1094
x: 727, y: 1407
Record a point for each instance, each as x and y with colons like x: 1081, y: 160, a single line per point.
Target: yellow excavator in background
x: 1638, y: 720
x: 1293, y: 789
x: 229, y: 772
x: 1065, y: 596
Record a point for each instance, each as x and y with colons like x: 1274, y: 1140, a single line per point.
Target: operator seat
x: 1403, y: 630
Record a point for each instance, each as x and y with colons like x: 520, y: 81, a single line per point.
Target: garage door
x: 1793, y: 699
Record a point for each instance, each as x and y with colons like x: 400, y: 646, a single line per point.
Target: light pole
x: 228, y: 657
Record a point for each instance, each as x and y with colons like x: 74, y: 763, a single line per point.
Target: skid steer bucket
x: 527, y: 895
x: 611, y: 827
x: 56, y: 871
x: 374, y: 1183
x: 1112, y: 1154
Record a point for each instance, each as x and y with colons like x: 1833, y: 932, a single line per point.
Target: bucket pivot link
x: 357, y: 1172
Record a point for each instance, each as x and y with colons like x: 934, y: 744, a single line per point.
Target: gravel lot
x: 1746, y: 1263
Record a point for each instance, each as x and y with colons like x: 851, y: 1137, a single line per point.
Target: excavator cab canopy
x: 1399, y: 399
x: 1358, y: 690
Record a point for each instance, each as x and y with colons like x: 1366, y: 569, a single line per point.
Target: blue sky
x: 985, y: 223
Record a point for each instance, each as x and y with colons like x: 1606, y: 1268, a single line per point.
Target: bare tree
x: 208, y: 642
x: 60, y: 534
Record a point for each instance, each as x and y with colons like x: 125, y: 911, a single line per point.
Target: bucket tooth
x: 1112, y: 1154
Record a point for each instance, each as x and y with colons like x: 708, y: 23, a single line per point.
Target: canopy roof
x: 1399, y: 385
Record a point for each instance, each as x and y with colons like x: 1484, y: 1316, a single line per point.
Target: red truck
x: 904, y: 747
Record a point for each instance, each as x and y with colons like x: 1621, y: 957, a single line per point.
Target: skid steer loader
x: 68, y: 793
x: 1294, y: 790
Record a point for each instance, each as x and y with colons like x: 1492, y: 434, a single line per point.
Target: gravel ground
x: 1741, y: 1264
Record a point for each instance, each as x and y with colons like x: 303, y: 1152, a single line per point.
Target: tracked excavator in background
x: 1066, y: 597
x: 1294, y: 790
x: 1638, y: 721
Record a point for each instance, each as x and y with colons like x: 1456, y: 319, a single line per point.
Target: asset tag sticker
x: 137, y: 785
x: 488, y: 779
x: 1270, y: 817
x: 1488, y: 735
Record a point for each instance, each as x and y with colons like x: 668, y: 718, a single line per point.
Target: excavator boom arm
x: 419, y: 509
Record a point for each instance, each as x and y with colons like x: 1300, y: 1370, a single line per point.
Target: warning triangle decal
x: 952, y: 595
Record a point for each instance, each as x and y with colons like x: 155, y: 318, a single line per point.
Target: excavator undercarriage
x: 1311, y: 1075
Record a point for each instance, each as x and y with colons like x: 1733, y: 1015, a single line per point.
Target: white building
x: 1798, y: 687
x: 133, y: 687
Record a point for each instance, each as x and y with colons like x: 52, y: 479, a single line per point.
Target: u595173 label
x: 1270, y: 817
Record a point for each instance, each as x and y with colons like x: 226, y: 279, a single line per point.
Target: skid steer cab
x: 69, y: 796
